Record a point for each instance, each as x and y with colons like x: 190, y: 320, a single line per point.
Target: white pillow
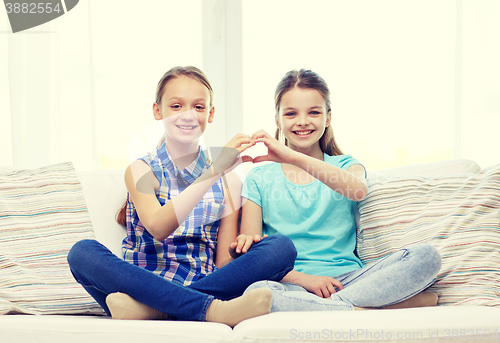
x: 458, y: 214
x: 42, y: 214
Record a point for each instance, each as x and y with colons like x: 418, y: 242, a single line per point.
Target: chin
x: 184, y: 139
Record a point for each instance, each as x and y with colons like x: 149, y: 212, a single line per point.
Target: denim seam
x: 91, y: 286
x: 204, y: 310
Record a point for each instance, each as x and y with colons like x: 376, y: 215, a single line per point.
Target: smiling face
x: 185, y: 110
x: 302, y: 118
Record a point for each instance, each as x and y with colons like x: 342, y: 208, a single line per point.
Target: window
x: 389, y: 66
x: 131, y: 51
x: 411, y: 81
x: 480, y: 102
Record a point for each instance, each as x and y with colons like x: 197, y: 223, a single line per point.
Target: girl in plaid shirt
x: 182, y: 255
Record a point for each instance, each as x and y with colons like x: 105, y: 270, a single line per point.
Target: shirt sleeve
x: 346, y: 161
x: 251, y: 189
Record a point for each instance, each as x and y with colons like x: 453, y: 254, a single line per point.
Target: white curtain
x: 47, y: 94
x: 80, y: 87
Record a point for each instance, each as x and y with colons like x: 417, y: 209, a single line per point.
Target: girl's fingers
x: 238, y: 244
x: 325, y: 292
x: 265, y: 140
x: 239, y: 140
x: 245, y: 146
x: 260, y: 134
x: 319, y: 293
x: 261, y: 159
x: 241, y: 243
x: 246, y: 158
x: 338, y: 284
x: 247, y: 245
x: 331, y: 289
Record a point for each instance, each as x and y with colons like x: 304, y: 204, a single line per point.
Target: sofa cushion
x: 458, y: 214
x: 99, y: 329
x: 42, y: 214
x: 411, y: 325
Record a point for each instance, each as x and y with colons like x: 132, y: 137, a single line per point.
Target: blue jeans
x: 388, y: 281
x: 101, y: 273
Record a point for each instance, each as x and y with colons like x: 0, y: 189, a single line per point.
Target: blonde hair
x: 307, y: 79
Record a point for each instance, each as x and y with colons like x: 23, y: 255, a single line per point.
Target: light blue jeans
x: 388, y: 281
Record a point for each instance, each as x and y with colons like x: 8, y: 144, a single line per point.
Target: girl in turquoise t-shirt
x: 310, y: 195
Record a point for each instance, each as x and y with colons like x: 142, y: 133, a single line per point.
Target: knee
x: 255, y: 285
x: 272, y: 285
x: 284, y: 246
x: 79, y: 252
x: 429, y: 256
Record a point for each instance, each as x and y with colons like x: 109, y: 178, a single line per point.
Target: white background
x: 412, y: 81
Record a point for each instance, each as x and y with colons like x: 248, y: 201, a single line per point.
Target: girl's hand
x: 322, y: 286
x: 243, y: 243
x: 229, y: 158
x: 276, y: 152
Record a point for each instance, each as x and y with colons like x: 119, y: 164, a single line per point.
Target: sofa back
x: 105, y: 193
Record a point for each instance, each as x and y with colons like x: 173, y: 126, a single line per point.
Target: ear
x: 328, y: 119
x: 156, y: 112
x: 277, y: 121
x: 211, y: 115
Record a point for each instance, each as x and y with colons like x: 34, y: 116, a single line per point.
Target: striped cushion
x: 457, y: 214
x: 42, y: 214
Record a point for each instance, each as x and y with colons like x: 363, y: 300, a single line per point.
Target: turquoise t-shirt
x: 319, y: 221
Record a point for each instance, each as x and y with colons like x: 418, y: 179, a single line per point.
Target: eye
x: 314, y: 113
x: 199, y: 107
x: 289, y: 114
x: 175, y: 106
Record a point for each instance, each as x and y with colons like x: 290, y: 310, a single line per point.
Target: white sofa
x: 104, y: 193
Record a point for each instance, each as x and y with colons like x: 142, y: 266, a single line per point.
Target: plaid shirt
x: 188, y: 254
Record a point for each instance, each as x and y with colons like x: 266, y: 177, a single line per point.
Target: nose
x: 302, y: 120
x: 188, y: 116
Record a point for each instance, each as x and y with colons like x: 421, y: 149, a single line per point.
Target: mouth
x: 187, y: 127
x: 303, y: 133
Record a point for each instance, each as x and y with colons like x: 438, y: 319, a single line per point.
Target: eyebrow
x: 293, y: 108
x: 181, y: 99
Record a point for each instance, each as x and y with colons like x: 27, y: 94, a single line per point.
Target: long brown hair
x: 307, y: 79
x: 189, y: 71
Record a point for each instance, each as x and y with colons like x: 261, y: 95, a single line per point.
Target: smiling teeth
x: 186, y: 127
x: 301, y: 133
